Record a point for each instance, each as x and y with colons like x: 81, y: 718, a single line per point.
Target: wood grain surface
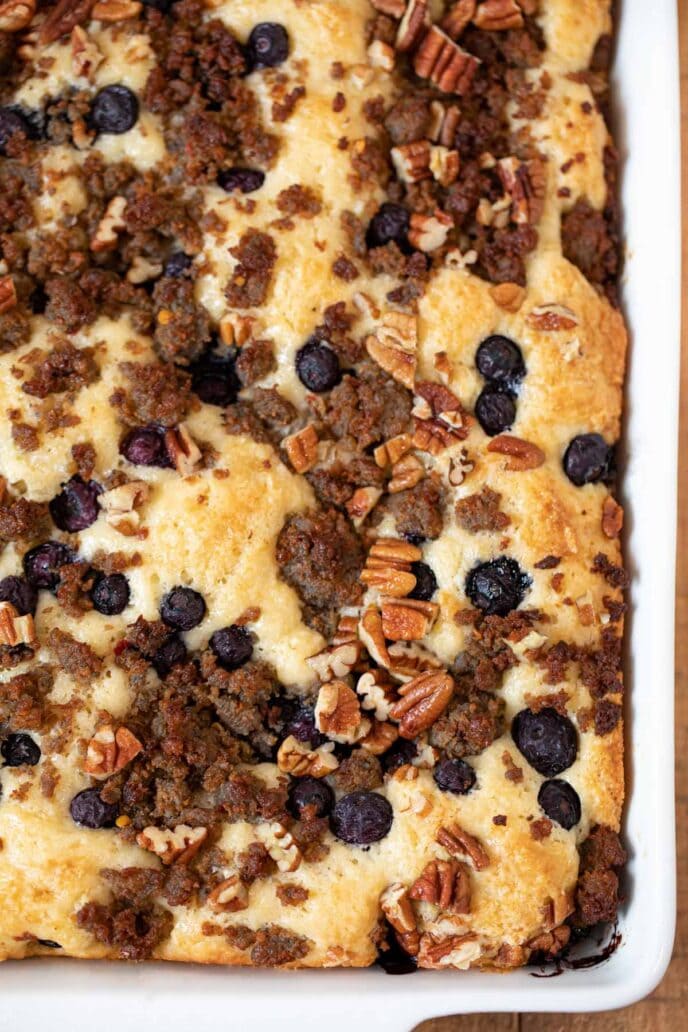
x: 666, y: 1010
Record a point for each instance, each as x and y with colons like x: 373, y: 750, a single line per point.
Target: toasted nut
x: 444, y: 63
x: 86, y: 54
x: 116, y: 10
x: 183, y: 450
x: 120, y: 505
x: 110, y: 750
x: 16, y: 15
x: 393, y: 346
x: 552, y: 942
x: 525, y: 184
x: 8, y: 293
x: 393, y: 8
x: 459, y: 468
x: 552, y: 317
x: 612, y: 518
x: 557, y: 910
x: 362, y: 503
x: 389, y: 453
x: 397, y: 908
x: 238, y: 329
x: 413, y: 24
x: 408, y: 659
x: 302, y: 448
x: 381, y: 55
x: 458, y: 842
x: 281, y: 846
x: 293, y: 757
x: 338, y: 713
x: 522, y: 455
x: 445, y: 883
x: 457, y: 951
x: 406, y: 473
x: 388, y: 567
x: 173, y: 846
x: 498, y: 15
x: 412, y: 161
x: 407, y: 619
x: 433, y: 436
x: 509, y: 296
x: 111, y: 224
x: 142, y: 270
x: 372, y: 636
x: 445, y: 165
x: 380, y: 738
x: 458, y: 17
x: 422, y: 701
x: 229, y: 896
x: 429, y: 232
x: 16, y: 629
x: 336, y: 660
x: 376, y: 693
x: 347, y: 628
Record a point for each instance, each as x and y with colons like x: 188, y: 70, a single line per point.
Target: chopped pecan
x: 407, y: 619
x: 509, y: 296
x: 372, y: 636
x: 444, y: 123
x: 281, y: 846
x: 110, y: 750
x: 362, y: 503
x: 110, y: 226
x: 458, y: 17
x: 498, y: 15
x: 15, y: 629
x: 238, y: 329
x: 121, y: 503
x: 445, y: 165
x: 413, y: 24
x: 412, y: 161
x: 116, y: 10
x: 183, y: 450
x: 376, y: 693
x: 142, y: 270
x: 458, y: 951
x: 396, y: 906
x: 459, y: 842
x: 230, y: 895
x: 524, y: 182
x: 429, y: 232
x: 176, y: 845
x: 86, y: 54
x: 552, y: 317
x: 422, y: 701
x: 302, y: 448
x: 459, y: 468
x: 388, y: 567
x: 294, y: 757
x: 16, y: 15
x: 445, y: 63
x: 408, y: 659
x: 336, y: 660
x: 380, y: 738
x: 521, y: 455
x: 389, y: 452
x: 447, y: 884
x: 392, y: 8
x: 551, y: 942
x: 338, y: 713
x: 406, y: 473
x: 393, y: 346
x: 62, y: 18
x: 8, y: 293
x: 612, y: 518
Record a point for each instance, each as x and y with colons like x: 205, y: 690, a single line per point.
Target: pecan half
x: 552, y: 317
x: 8, y: 293
x: 380, y: 738
x: 16, y: 15
x: 302, y: 448
x: 396, y: 906
x: 444, y: 63
x: 294, y: 757
x: 110, y: 750
x: 447, y: 884
x: 413, y: 24
x: 458, y: 17
x: 177, y: 845
x: 521, y: 455
x: 229, y: 896
x: 407, y: 619
x: 338, y: 713
x: 498, y: 15
x: 459, y: 842
x: 388, y: 567
x: 373, y: 637
x: 16, y: 629
x: 423, y: 700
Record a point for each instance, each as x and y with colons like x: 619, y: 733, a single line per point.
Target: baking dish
x: 38, y: 991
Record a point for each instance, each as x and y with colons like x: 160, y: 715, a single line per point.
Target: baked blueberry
x: 301, y: 724
x: 588, y: 459
x: 398, y: 755
x: 455, y: 776
x: 145, y: 446
x: 19, y: 750
x: 20, y: 593
x: 495, y: 409
x: 182, y: 608
x: 115, y: 109
x: 390, y: 223
x: 268, y: 45
x: 110, y: 593
x: 76, y: 506
x: 177, y: 264
x: 361, y: 818
x: 560, y: 802
x: 547, y: 739
x: 233, y: 646
x: 317, y: 366
x: 311, y: 792
x: 244, y: 179
x: 42, y: 564
x: 172, y: 652
x: 11, y: 122
x: 38, y: 299
x: 500, y: 360
x: 426, y: 582
x: 214, y: 378
x: 497, y: 586
x: 90, y: 811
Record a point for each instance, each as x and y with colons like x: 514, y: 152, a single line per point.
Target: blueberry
x: 426, y: 582
x: 90, y: 811
x: 115, y: 109
x: 560, y: 802
x: 395, y: 960
x: 495, y: 409
x: 500, y: 360
x: 38, y: 299
x: 310, y: 792
x: 20, y: 593
x: 145, y: 446
x: 390, y: 223
x: 302, y: 726
x: 317, y: 366
x: 547, y: 739
x: 361, y: 818
x: 177, y: 264
x: 497, y: 586
x: 110, y: 594
x: 20, y: 750
x: 268, y: 45
x: 214, y: 379
x: 76, y: 506
x: 455, y: 776
x: 41, y: 564
x: 244, y: 179
x: 172, y: 652
x: 398, y: 755
x: 11, y: 122
x: 233, y: 646
x: 182, y: 608
x: 588, y: 459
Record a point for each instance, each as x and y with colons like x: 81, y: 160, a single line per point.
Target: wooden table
x: 666, y: 1010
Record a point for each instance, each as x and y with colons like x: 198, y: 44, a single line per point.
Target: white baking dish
x: 43, y: 994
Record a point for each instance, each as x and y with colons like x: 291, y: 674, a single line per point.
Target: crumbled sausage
x: 256, y: 255
x: 469, y: 725
x: 417, y: 511
x: 481, y: 511
x: 275, y: 946
x: 182, y: 327
x: 76, y: 658
x: 255, y: 361
x: 22, y: 519
x: 597, y: 892
x: 360, y: 770
x: 158, y: 393
x: 131, y: 932
x: 65, y: 368
x: 367, y: 408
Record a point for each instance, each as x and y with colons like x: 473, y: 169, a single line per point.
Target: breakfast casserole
x: 311, y: 369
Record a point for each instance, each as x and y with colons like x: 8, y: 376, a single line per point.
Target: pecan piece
x: 183, y: 450
x: 230, y: 895
x: 16, y: 15
x: 388, y: 567
x: 376, y: 693
x: 336, y: 661
x: 302, y: 448
x: 338, y: 713
x: 551, y: 318
x: 281, y: 846
x: 8, y: 293
x: 458, y: 17
x: 393, y: 346
x: 412, y: 161
x: 446, y: 883
x: 406, y: 473
x: 110, y: 750
x: 444, y: 63
x: 86, y: 54
x: 498, y: 16
x: 458, y: 951
x: 407, y: 619
x: 110, y: 226
x: 521, y: 455
x: 177, y: 845
x: 429, y: 232
x: 389, y: 452
x: 509, y: 296
x: 294, y: 757
x: 552, y: 942
x: 423, y: 700
x: 116, y: 10
x: 392, y: 8
x: 362, y: 503
x: 380, y: 738
x: 62, y: 19
x: 397, y: 908
x: 459, y: 842
x: 15, y: 629
x: 413, y: 24
x: 121, y: 503
x: 612, y: 518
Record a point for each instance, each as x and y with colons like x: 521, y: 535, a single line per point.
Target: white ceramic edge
x: 39, y: 994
